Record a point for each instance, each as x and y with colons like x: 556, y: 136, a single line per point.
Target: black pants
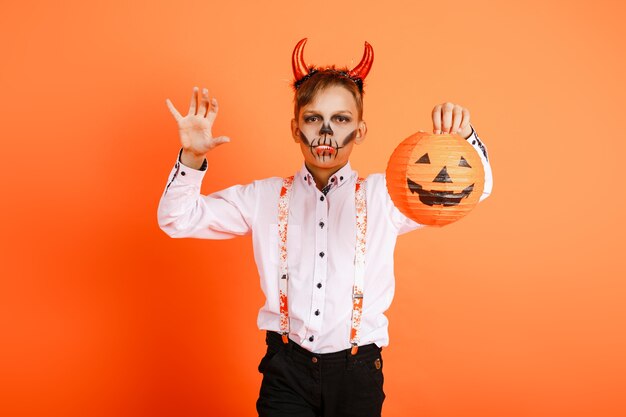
x: 298, y: 383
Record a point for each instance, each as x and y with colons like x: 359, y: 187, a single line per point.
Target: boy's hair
x: 321, y: 80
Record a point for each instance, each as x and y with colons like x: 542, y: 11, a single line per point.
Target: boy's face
x: 328, y: 128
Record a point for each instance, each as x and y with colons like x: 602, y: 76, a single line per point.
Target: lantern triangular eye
x: 424, y: 159
x: 463, y: 163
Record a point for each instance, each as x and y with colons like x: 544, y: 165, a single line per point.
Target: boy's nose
x: 326, y: 130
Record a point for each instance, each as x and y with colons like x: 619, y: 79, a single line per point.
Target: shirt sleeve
x: 400, y: 222
x: 184, y: 212
x: 480, y: 147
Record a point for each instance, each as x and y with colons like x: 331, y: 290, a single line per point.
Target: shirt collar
x: 336, y: 180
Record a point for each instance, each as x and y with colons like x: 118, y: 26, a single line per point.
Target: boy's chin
x: 329, y: 163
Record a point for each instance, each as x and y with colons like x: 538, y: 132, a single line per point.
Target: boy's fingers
x: 220, y: 140
x: 204, y: 103
x: 194, y: 102
x: 446, y: 117
x: 173, y: 110
x: 437, y: 119
x: 457, y: 118
x: 212, y: 113
x: 466, y: 120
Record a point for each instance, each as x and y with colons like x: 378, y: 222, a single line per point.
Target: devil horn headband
x: 302, y: 72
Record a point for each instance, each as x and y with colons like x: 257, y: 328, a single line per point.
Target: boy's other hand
x: 195, y: 128
x: 451, y: 118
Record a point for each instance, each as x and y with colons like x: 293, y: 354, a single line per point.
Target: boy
x: 323, y: 242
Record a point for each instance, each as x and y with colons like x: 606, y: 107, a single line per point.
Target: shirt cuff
x: 476, y: 143
x: 204, y: 166
x: 186, y: 174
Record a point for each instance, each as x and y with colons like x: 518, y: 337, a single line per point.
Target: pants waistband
x: 274, y: 341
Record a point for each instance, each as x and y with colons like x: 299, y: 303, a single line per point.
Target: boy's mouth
x: 324, y: 150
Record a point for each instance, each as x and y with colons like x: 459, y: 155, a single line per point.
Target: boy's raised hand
x: 451, y: 118
x: 195, y: 128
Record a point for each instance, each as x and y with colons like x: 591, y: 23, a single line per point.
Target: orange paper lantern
x: 435, y: 179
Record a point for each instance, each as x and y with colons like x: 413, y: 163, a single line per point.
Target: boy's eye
x: 311, y: 119
x: 342, y: 119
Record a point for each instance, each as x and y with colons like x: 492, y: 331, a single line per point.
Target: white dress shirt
x: 320, y: 245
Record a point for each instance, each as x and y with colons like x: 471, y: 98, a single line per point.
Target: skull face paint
x: 325, y: 145
x: 327, y: 129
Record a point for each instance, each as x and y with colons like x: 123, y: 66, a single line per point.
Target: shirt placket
x: 321, y: 269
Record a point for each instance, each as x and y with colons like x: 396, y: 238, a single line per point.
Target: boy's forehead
x: 337, y: 98
x: 313, y: 109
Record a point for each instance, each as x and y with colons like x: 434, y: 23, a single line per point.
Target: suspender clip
x: 285, y: 337
x: 354, y: 350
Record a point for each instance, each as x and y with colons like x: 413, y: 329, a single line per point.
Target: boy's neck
x: 322, y: 175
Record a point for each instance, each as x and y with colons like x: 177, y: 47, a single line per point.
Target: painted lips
x: 324, y: 150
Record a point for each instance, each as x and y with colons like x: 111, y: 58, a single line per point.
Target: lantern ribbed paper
x: 435, y: 179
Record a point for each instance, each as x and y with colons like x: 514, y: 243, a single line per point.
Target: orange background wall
x: 516, y: 310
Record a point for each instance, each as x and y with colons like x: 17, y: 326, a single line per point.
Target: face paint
x: 326, y: 130
x: 324, y: 147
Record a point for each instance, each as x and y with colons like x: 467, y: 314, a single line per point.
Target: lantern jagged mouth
x: 439, y: 198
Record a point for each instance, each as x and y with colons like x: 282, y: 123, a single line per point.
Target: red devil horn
x: 361, y: 70
x: 297, y: 60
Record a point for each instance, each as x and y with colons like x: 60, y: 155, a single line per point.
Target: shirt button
x: 314, y: 359
x: 183, y: 173
x: 312, y: 338
x: 321, y: 254
x: 340, y: 178
x: 319, y: 285
x: 317, y: 312
x: 321, y: 225
x: 322, y: 198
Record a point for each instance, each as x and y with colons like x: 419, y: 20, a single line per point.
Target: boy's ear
x: 361, y: 132
x: 295, y: 131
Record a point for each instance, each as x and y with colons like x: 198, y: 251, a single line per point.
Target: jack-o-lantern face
x: 435, y: 179
x: 441, y: 195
